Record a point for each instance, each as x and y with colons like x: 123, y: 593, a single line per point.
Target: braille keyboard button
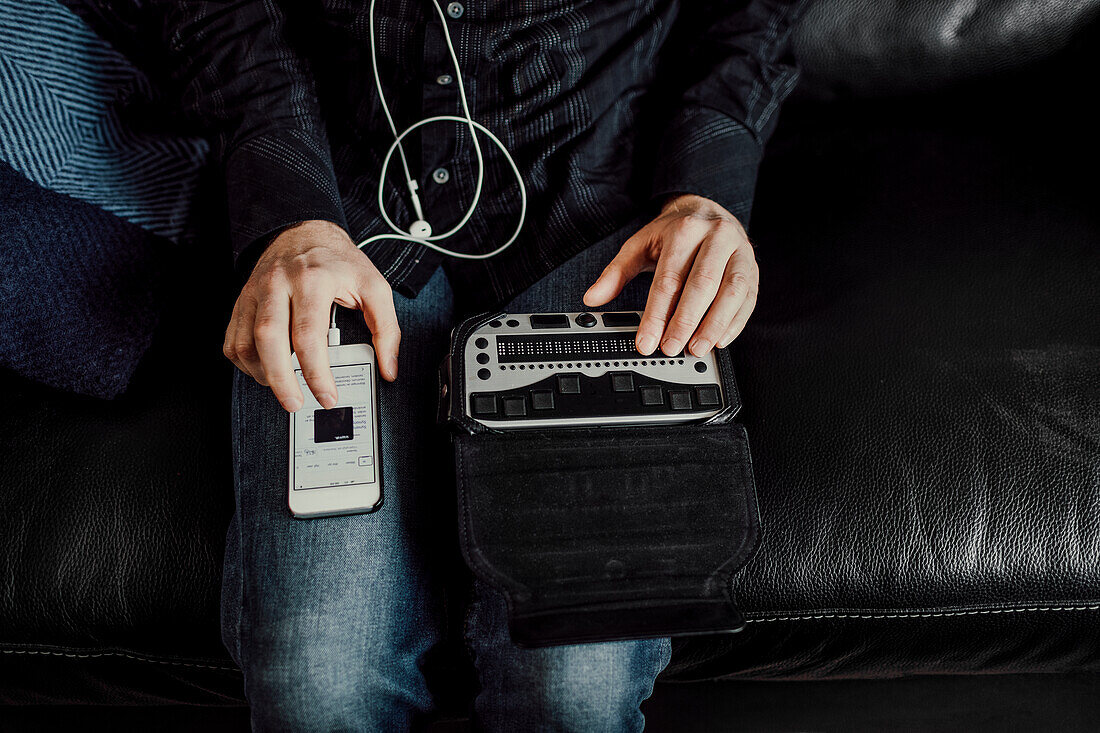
x: 481, y: 343
x: 652, y: 396
x: 622, y: 382
x: 618, y: 320
x: 586, y: 320
x: 542, y: 399
x: 700, y: 366
x: 569, y: 384
x: 484, y: 374
x: 708, y: 395
x: 514, y: 406
x: 680, y: 399
x: 484, y: 404
x: 550, y: 320
x: 512, y: 323
x: 482, y: 358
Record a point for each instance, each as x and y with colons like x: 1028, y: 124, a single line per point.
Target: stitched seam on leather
x: 925, y: 614
x: 93, y: 655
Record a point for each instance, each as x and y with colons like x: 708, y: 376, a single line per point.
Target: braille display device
x: 544, y: 370
x: 608, y: 495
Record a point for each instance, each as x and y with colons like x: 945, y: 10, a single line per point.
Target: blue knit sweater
x: 91, y: 199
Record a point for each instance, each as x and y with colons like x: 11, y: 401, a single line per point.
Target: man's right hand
x: 286, y: 304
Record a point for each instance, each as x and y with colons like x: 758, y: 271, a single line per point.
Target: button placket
x: 438, y: 140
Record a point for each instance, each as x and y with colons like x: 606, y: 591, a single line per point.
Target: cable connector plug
x: 333, y: 331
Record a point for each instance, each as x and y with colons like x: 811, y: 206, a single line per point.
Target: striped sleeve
x: 738, y: 70
x: 241, y: 79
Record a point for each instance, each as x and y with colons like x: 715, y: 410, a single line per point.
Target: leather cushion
x: 869, y: 48
x: 922, y: 385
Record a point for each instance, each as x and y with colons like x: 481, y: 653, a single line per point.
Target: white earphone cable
x: 429, y: 241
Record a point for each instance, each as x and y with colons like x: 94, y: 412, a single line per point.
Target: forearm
x: 736, y: 68
x: 240, y: 79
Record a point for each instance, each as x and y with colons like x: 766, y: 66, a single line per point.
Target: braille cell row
x: 592, y: 364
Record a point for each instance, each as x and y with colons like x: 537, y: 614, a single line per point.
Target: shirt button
x: 441, y: 175
x: 455, y: 10
x: 444, y: 79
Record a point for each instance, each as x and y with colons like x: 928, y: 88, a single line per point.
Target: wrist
x: 690, y: 204
x: 319, y: 228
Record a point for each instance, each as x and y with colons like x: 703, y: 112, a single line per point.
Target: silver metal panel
x: 495, y: 374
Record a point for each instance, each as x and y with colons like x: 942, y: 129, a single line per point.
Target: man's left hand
x: 705, y: 277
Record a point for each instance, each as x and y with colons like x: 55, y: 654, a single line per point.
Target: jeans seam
x: 241, y: 611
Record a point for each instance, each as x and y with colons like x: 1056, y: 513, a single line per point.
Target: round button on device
x: 587, y: 320
x: 482, y: 342
x: 483, y: 358
x: 494, y: 324
x: 484, y: 374
x: 700, y: 366
x: 512, y: 323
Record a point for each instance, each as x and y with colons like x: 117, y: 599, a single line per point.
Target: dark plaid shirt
x: 607, y: 106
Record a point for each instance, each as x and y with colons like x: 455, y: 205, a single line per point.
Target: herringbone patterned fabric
x: 74, y: 119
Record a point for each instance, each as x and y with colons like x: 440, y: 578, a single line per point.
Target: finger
x: 739, y: 321
x: 700, y: 289
x: 673, y: 264
x: 738, y: 281
x: 631, y: 259
x: 244, y: 341
x: 272, y: 337
x: 381, y: 318
x: 228, y: 343
x: 309, y: 322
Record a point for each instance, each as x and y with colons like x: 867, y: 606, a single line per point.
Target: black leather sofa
x: 921, y: 384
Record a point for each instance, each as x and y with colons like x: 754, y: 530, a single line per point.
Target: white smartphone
x: 335, y: 454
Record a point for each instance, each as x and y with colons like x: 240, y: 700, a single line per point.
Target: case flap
x: 598, y: 534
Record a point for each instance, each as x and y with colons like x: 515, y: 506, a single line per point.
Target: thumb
x: 622, y: 269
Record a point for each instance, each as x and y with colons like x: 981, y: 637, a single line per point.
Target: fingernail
x: 696, y: 347
x: 327, y: 401
x: 393, y: 365
x: 671, y: 347
x: 646, y: 344
x: 293, y: 404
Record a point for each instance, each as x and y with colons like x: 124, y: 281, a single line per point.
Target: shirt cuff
x: 708, y: 153
x: 276, y: 180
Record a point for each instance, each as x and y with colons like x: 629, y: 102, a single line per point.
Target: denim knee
x: 304, y: 684
x: 311, y: 672
x: 585, y: 687
x: 599, y: 687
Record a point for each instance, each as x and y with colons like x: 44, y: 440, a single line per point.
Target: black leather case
x: 599, y: 534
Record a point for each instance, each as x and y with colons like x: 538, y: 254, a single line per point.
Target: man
x: 637, y: 128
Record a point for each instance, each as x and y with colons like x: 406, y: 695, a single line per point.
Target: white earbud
x: 420, y: 232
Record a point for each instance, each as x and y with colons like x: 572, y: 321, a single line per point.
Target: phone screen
x: 335, y: 447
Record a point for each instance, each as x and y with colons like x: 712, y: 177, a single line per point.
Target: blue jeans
x: 330, y: 619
